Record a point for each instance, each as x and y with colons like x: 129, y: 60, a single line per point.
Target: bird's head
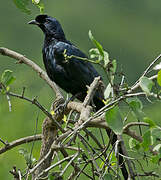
x: 49, y: 25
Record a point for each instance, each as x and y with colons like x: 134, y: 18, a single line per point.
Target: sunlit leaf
x: 157, y: 148
x: 107, y: 91
x: 96, y: 43
x: 159, y: 78
x: 114, y: 120
x: 150, y: 122
x: 22, y: 5
x: 135, y: 104
x: 146, y: 84
x: 7, y: 77
x: 133, y: 144
x: 106, y: 58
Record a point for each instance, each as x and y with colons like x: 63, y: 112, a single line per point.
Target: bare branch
x: 56, y: 164
x: 18, y: 142
x: 35, y: 102
x: 127, y: 126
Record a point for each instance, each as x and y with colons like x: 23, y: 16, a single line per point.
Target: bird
x: 73, y: 75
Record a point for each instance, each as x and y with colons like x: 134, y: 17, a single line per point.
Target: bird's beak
x: 33, y: 22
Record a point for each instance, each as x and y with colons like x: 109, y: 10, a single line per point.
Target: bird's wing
x: 80, y: 72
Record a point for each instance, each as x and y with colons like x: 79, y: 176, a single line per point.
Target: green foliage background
x: 128, y: 30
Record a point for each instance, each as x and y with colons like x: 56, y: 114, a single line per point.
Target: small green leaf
x: 114, y: 120
x: 96, y: 43
x: 7, y: 78
x: 133, y: 144
x: 22, y: 5
x: 135, y: 104
x: 106, y: 58
x: 150, y: 122
x: 147, y: 140
x: 159, y: 78
x: 146, y: 84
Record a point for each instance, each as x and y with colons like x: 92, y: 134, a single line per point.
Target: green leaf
x: 114, y: 66
x: 155, y: 159
x: 27, y: 156
x: 114, y: 120
x: 159, y: 78
x: 133, y: 144
x: 22, y: 5
x: 7, y: 77
x: 96, y: 43
x: 150, y: 122
x: 135, y: 104
x: 146, y: 84
x: 108, y: 177
x: 147, y: 140
x: 106, y: 58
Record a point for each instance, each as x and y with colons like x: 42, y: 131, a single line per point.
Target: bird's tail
x: 99, y: 104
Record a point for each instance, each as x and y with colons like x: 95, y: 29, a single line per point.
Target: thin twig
x: 35, y: 102
x: 69, y: 163
x: 56, y: 164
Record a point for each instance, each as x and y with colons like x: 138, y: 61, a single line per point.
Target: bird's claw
x: 60, y: 109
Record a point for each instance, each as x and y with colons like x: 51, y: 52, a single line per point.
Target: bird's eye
x: 47, y: 21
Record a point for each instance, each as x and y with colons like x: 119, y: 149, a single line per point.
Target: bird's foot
x: 60, y: 109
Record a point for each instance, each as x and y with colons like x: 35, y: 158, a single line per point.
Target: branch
x: 18, y: 142
x: 22, y: 59
x: 36, y: 103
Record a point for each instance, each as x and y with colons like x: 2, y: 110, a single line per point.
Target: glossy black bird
x: 73, y: 75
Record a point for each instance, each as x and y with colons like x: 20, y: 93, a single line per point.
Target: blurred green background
x: 128, y: 30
